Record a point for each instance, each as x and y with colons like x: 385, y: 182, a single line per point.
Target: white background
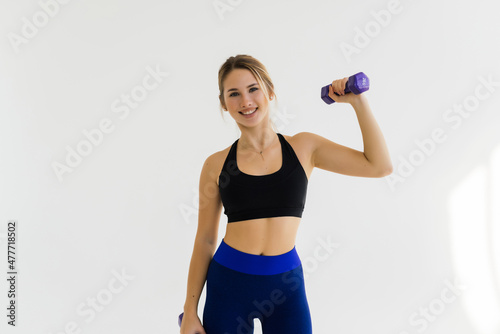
x: 130, y: 205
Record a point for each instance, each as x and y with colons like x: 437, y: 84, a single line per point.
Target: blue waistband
x: 256, y: 264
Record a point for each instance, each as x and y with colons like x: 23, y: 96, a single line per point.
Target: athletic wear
x: 282, y: 193
x: 243, y: 286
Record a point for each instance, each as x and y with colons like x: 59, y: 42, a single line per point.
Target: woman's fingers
x: 338, y: 86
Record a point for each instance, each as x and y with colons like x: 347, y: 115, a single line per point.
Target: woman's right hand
x: 191, y: 324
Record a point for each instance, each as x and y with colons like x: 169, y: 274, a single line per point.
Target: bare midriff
x: 266, y: 236
x: 263, y: 236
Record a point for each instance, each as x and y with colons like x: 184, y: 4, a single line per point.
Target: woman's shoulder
x: 302, y: 140
x: 219, y: 156
x: 303, y: 144
x: 215, y: 161
x: 299, y: 136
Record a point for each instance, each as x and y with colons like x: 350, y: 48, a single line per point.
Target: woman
x: 261, y: 180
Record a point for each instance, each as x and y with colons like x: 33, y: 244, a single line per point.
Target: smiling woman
x: 262, y: 178
x: 244, y: 68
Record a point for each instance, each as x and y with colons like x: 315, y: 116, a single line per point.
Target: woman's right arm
x: 210, y: 208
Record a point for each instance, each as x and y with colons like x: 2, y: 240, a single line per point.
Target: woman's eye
x: 232, y: 94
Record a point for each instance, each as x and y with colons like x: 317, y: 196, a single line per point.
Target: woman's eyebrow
x: 237, y: 89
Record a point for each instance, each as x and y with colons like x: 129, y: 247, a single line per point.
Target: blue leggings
x: 243, y: 286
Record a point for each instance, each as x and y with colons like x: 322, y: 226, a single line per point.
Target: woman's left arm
x: 328, y: 155
x: 375, y: 148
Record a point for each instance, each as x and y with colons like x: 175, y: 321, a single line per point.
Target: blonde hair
x: 258, y: 70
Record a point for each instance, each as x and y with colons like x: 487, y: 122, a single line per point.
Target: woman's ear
x: 222, y: 103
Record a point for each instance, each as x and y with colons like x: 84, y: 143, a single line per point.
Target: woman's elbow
x: 386, y: 171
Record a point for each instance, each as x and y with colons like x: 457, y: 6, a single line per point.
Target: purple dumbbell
x: 180, y: 318
x: 357, y: 84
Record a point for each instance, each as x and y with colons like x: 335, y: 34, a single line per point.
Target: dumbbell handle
x: 180, y: 318
x: 357, y: 84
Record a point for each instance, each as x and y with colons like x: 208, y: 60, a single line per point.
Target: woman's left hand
x: 338, y: 86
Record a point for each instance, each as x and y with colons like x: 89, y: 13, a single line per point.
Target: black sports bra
x: 282, y: 193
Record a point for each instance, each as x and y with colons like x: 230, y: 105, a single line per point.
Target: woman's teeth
x: 249, y: 112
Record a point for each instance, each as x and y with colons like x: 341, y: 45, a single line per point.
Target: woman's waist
x: 256, y: 264
x: 266, y: 236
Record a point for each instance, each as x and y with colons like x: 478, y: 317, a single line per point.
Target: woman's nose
x: 246, y: 100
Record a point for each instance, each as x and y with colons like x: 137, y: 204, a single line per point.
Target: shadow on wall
x: 474, y: 215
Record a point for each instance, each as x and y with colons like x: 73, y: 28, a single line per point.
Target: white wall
x: 130, y: 204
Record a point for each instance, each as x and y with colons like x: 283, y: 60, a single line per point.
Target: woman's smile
x: 249, y: 113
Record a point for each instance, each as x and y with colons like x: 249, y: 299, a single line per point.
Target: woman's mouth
x: 249, y: 113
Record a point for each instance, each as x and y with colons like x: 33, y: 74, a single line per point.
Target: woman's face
x: 242, y: 93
